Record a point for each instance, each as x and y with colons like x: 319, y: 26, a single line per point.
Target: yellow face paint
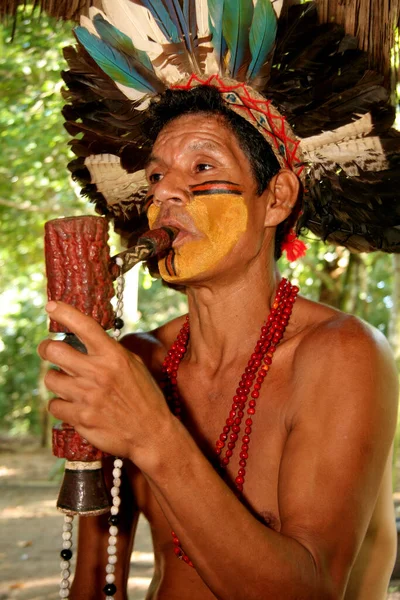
x: 221, y: 218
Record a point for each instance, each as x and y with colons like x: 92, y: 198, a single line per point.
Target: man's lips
x: 184, y: 231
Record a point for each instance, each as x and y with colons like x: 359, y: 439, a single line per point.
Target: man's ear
x: 281, y: 197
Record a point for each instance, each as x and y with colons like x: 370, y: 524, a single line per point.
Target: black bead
x: 66, y: 554
x: 113, y: 520
x: 109, y: 589
x: 118, y: 323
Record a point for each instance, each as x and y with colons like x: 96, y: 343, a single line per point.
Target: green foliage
x: 157, y: 303
x: 34, y: 187
x: 358, y: 284
x: 19, y: 369
x: 34, y: 182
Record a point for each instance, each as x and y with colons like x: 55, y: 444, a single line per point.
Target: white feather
x: 129, y: 92
x: 203, y: 28
x: 132, y: 94
x: 353, y: 156
x: 211, y: 65
x: 116, y: 185
x: 357, y: 129
x: 85, y: 22
x: 277, y: 5
x: 146, y: 19
x: 139, y: 25
x: 202, y: 18
x: 93, y: 11
x: 132, y: 20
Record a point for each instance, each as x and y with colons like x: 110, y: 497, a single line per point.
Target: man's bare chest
x: 221, y: 432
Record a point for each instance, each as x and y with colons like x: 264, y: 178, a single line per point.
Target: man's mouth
x: 185, y: 232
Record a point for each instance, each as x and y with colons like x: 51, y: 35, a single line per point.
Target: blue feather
x: 115, y: 64
x: 189, y: 11
x: 262, y: 35
x: 162, y: 18
x: 236, y: 24
x: 215, y: 12
x: 176, y: 14
x: 118, y: 40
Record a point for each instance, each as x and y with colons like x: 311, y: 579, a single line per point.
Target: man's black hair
x: 206, y: 99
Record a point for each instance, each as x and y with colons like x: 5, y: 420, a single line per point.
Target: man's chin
x: 189, y: 277
x: 181, y: 276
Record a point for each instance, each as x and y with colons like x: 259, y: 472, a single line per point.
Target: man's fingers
x: 60, y: 409
x: 85, y: 328
x: 61, y: 354
x: 61, y: 385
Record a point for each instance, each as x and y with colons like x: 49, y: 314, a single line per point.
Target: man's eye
x: 203, y: 167
x: 155, y: 177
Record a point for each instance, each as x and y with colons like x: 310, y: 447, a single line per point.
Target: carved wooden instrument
x: 81, y: 272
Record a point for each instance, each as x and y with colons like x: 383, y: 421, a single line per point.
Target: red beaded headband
x: 258, y: 111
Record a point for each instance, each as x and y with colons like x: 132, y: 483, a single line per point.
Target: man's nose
x: 172, y: 188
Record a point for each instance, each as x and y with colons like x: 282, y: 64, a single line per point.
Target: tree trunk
x: 374, y: 24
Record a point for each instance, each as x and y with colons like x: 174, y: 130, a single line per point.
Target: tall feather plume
x: 357, y: 129
x: 121, y: 42
x: 88, y: 24
x: 262, y: 38
x: 123, y: 69
x: 236, y: 23
x: 204, y: 50
x: 318, y: 80
x: 215, y: 14
x: 174, y: 56
x: 178, y: 18
x: 182, y: 25
x: 190, y: 14
x: 162, y: 17
x: 88, y: 80
x: 173, y: 60
x: 134, y: 22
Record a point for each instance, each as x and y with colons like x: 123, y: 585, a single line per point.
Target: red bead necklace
x: 257, y: 368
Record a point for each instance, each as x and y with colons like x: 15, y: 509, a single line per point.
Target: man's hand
x: 108, y: 394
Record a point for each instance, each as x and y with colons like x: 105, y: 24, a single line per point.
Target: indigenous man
x: 257, y: 430
x: 310, y: 516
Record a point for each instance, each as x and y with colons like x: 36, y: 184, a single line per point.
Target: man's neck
x: 225, y: 320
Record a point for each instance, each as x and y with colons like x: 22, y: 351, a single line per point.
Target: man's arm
x: 344, y: 404
x: 345, y: 399
x: 92, y: 557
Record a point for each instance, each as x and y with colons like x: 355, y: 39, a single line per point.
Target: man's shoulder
x: 152, y: 346
x: 344, y: 353
x: 336, y: 333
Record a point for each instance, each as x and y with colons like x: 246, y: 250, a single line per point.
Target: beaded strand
x: 66, y: 553
x: 257, y: 369
x: 110, y: 588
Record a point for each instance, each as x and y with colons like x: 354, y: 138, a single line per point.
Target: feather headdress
x: 305, y: 86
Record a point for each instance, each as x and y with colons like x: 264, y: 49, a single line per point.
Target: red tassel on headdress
x: 293, y: 247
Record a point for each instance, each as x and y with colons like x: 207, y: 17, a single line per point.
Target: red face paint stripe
x: 217, y: 185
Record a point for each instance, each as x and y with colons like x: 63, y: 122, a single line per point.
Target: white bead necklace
x: 66, y: 552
